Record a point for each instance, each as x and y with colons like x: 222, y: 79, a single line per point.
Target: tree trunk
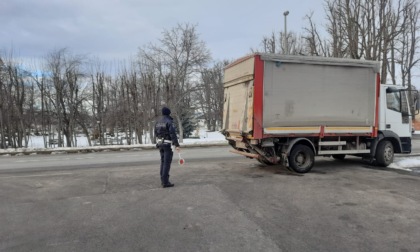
x: 181, y: 130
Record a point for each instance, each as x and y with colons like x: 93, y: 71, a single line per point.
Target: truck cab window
x: 405, y: 108
x: 393, y: 101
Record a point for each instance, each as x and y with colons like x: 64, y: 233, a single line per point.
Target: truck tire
x: 339, y: 156
x: 301, y: 159
x: 384, y: 153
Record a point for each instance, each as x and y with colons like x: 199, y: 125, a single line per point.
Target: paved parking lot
x: 217, y: 204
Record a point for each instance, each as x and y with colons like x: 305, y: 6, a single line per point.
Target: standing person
x: 166, y: 135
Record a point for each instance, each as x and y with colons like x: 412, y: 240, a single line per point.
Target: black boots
x: 165, y: 182
x: 169, y: 184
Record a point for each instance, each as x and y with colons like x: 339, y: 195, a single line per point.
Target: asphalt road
x: 221, y: 202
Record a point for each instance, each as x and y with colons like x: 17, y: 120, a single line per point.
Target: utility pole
x: 286, y: 44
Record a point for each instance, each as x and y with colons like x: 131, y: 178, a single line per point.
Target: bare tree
x: 369, y: 30
x: 179, y: 57
x: 210, y: 96
x: 408, y: 42
x: 150, y: 93
x: 133, y: 111
x: 2, y: 104
x: 98, y: 104
x: 66, y: 81
x: 313, y: 41
x: 13, y: 93
x: 271, y: 44
x: 39, y: 80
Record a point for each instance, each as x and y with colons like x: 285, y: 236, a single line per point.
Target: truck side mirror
x: 392, y: 90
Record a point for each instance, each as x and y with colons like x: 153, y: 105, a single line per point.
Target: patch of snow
x: 206, y: 136
x: 406, y: 163
x: 36, y: 143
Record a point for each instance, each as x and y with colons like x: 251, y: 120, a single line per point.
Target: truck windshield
x: 393, y: 101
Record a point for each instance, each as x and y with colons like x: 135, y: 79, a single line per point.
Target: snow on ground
x: 37, y: 143
x: 82, y: 141
x: 206, y: 136
x: 406, y: 163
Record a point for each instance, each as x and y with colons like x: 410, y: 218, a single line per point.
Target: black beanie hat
x: 166, y: 111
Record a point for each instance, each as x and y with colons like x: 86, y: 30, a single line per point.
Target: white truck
x: 283, y: 109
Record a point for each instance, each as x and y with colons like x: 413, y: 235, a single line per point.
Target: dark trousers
x: 166, y: 155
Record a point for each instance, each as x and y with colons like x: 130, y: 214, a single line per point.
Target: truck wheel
x: 301, y: 159
x: 384, y: 153
x: 339, y: 156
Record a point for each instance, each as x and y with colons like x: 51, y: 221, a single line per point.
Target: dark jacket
x: 165, y: 129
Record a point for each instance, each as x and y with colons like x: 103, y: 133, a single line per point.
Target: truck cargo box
x: 269, y: 94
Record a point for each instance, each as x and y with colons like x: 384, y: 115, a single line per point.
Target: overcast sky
x: 114, y: 30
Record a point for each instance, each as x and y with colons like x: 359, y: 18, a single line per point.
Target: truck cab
x: 396, y: 115
x: 395, y: 119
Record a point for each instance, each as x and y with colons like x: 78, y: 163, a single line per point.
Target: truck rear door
x: 238, y: 97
